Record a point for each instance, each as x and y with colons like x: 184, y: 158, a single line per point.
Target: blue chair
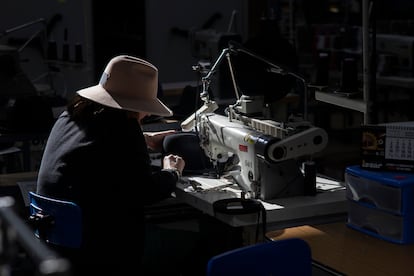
x: 283, y: 257
x: 57, y: 222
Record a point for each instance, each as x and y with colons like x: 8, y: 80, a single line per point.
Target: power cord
x: 242, y: 206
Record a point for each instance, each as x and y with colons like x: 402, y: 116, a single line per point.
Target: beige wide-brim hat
x: 128, y: 83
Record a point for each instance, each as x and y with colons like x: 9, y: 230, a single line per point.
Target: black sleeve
x: 162, y: 185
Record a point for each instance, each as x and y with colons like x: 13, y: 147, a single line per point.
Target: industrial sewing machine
x: 260, y: 154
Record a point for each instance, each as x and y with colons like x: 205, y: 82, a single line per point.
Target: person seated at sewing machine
x: 97, y: 156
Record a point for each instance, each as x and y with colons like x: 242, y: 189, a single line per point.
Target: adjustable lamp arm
x: 279, y: 70
x: 206, y: 80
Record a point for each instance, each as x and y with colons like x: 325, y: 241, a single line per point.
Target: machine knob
x: 317, y: 140
x: 279, y: 153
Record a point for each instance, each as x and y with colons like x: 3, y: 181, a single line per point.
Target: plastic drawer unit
x: 381, y: 203
x: 380, y: 224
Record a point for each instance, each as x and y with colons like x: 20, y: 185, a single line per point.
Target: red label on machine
x: 243, y: 148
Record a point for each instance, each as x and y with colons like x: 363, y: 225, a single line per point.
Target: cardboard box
x: 388, y: 147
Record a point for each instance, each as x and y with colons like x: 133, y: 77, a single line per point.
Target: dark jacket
x: 102, y: 163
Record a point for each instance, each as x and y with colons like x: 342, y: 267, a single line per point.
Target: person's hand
x: 172, y: 161
x: 154, y: 139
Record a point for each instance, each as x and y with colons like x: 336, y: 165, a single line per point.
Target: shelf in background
x: 338, y: 100
x: 398, y: 81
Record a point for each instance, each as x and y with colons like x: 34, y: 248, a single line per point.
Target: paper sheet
x: 211, y: 183
x: 326, y: 184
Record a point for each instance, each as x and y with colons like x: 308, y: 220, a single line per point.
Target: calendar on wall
x: 388, y: 146
x: 400, y: 142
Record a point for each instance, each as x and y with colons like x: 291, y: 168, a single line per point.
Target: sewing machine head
x: 260, y: 154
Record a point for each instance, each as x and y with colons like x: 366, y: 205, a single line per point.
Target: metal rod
x: 207, y: 78
x: 366, y: 58
x: 233, y: 78
x: 25, y: 25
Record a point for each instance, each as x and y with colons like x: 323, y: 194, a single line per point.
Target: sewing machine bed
x: 329, y: 203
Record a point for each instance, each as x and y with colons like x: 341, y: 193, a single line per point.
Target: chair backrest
x: 55, y: 221
x: 283, y: 257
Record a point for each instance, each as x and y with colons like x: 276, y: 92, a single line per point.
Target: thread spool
x: 322, y: 69
x: 65, y: 46
x: 78, y: 53
x: 52, y: 50
x: 309, y: 169
x: 349, y: 78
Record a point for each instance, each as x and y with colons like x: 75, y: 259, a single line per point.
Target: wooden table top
x: 351, y: 252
